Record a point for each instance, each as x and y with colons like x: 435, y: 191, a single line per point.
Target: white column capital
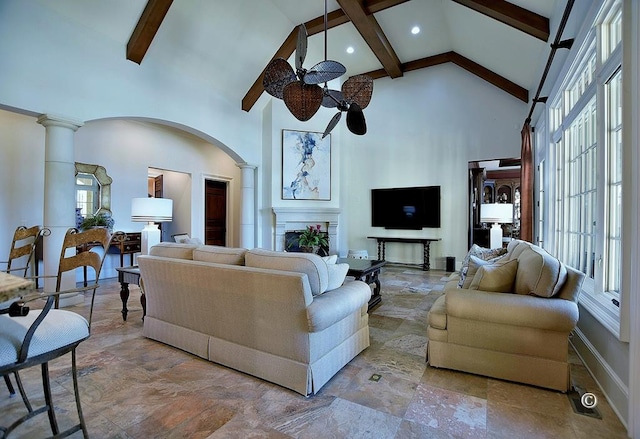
x: 245, y: 165
x: 48, y: 120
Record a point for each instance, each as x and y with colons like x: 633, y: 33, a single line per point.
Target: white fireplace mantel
x: 298, y: 218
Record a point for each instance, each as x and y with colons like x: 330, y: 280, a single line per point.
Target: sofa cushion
x: 497, y: 278
x: 220, y: 255
x: 540, y: 273
x: 173, y: 250
x: 486, y: 254
x: 308, y: 263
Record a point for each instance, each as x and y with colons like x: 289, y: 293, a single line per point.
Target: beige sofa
x: 517, y: 331
x: 269, y: 314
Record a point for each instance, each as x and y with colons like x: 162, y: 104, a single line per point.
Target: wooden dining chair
x: 35, y: 337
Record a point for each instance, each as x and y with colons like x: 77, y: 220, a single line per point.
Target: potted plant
x: 97, y: 220
x: 312, y: 239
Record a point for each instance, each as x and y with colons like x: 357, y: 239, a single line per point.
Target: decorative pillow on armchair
x: 485, y: 254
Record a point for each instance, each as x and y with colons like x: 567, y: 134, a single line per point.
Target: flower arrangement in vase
x: 312, y: 239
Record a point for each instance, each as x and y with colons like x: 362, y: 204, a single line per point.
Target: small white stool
x: 358, y: 254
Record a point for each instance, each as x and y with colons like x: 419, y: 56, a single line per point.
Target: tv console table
x: 426, y: 244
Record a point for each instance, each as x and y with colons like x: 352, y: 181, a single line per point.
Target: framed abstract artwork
x: 306, y: 166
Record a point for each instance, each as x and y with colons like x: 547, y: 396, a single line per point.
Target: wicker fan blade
x: 355, y: 120
x: 301, y: 46
x: 332, y: 124
x: 302, y: 100
x: 358, y: 89
x: 331, y: 98
x: 324, y: 71
x: 276, y: 76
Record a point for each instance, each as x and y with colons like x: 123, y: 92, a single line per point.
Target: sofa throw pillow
x: 498, y: 278
x: 330, y: 259
x: 486, y: 254
x: 474, y: 264
x: 337, y: 274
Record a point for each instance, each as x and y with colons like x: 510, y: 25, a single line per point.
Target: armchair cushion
x: 59, y: 328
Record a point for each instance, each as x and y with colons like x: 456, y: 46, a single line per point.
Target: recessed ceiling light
x: 415, y: 30
x: 350, y: 49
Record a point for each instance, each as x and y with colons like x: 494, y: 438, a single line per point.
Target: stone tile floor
x: 132, y: 387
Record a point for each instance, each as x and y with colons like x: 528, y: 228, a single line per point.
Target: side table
x: 366, y: 270
x: 126, y: 276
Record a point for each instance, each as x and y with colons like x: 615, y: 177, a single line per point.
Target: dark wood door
x: 158, y: 188
x: 215, y: 213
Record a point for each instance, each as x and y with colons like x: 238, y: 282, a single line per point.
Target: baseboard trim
x: 614, y: 389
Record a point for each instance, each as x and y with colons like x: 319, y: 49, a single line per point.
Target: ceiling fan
x: 303, y: 96
x: 354, y: 96
x: 300, y: 90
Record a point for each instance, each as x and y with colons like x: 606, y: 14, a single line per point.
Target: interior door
x: 215, y: 213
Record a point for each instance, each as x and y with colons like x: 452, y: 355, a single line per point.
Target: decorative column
x: 59, y: 197
x: 247, y: 213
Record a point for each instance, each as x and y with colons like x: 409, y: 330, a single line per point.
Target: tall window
x: 585, y: 157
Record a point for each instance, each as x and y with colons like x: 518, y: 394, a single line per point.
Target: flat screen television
x: 406, y: 208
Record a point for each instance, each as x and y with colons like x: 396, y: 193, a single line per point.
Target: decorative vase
x: 310, y: 248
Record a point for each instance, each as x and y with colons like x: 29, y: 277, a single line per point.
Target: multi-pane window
x: 613, y: 218
x: 585, y: 175
x: 576, y: 176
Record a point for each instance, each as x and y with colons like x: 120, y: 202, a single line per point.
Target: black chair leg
x: 74, y: 372
x: 7, y: 380
x: 46, y: 384
x: 22, y: 392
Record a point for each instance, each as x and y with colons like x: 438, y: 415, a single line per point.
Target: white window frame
x: 568, y: 101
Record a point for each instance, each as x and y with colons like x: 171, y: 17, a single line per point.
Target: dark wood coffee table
x: 366, y: 270
x: 126, y: 276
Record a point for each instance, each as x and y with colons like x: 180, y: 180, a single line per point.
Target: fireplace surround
x: 291, y: 219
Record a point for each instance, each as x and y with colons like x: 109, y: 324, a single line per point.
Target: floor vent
x: 584, y: 403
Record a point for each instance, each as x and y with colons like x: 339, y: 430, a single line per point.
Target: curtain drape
x: 526, y: 185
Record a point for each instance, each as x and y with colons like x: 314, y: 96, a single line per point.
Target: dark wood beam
x: 373, y: 35
x: 315, y: 26
x: 146, y: 29
x: 491, y: 77
x: 482, y: 72
x: 515, y: 16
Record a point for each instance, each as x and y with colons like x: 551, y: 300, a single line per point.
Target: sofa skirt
x: 300, y: 377
x: 526, y: 369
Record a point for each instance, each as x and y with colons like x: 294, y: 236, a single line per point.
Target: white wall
x: 126, y: 149
x: 423, y: 129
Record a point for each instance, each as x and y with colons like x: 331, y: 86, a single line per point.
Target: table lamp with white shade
x: 496, y: 213
x: 151, y: 211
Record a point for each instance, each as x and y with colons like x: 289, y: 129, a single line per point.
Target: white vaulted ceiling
x: 226, y: 44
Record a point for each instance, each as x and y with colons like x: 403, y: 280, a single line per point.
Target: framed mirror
x: 93, y: 189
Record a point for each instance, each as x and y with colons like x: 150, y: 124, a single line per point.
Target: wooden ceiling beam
x: 373, y: 35
x: 512, y: 15
x: 472, y: 67
x: 491, y: 77
x: 315, y: 26
x: 146, y: 29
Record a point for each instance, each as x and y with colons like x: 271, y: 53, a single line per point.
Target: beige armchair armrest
x: 512, y: 309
